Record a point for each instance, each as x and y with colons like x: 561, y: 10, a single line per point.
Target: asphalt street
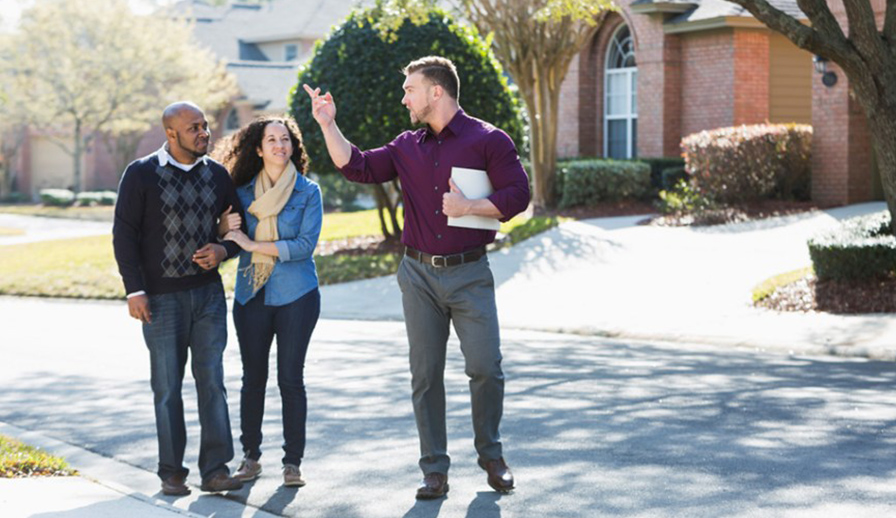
x: 592, y: 426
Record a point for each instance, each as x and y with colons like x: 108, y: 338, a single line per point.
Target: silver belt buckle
x: 433, y: 258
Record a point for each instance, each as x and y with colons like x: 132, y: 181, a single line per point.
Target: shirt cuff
x: 136, y: 294
x: 282, y: 250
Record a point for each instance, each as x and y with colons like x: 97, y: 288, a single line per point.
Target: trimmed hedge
x: 860, y: 248
x: 586, y: 182
x: 658, y: 165
x: 57, y: 197
x: 749, y: 162
x: 96, y: 198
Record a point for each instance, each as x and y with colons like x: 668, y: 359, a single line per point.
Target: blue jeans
x: 193, y: 321
x: 256, y: 325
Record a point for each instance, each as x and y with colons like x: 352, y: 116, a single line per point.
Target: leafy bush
x: 684, y: 199
x: 749, y: 162
x: 96, y: 198
x: 15, y: 197
x: 337, y: 192
x: 57, y: 197
x: 363, y: 72
x: 670, y: 176
x: 586, y: 182
x: 657, y: 166
x: 861, y: 247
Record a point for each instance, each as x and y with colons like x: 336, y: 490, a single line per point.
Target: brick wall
x: 841, y: 144
x: 707, y: 80
x: 751, y: 80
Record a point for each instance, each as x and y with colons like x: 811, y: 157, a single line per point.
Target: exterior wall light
x: 828, y: 79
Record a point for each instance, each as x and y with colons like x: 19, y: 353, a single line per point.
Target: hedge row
x: 749, y: 162
x: 586, y: 182
x: 862, y: 247
x: 65, y: 197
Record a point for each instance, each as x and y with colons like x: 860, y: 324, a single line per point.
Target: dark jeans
x: 256, y: 325
x: 433, y: 298
x: 193, y: 321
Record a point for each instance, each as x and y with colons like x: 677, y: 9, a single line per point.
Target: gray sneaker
x: 249, y: 470
x: 292, y: 476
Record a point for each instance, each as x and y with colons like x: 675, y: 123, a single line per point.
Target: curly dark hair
x: 239, y: 153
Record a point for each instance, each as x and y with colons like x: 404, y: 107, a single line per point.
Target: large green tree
x: 74, y: 70
x: 867, y: 54
x: 361, y: 63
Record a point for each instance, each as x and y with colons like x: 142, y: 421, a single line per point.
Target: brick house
x: 656, y: 71
x: 659, y: 70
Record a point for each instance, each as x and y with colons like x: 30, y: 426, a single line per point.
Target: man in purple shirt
x: 445, y: 274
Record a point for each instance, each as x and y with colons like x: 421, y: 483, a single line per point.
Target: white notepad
x: 474, y: 184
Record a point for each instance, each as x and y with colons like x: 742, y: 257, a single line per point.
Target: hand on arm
x: 455, y: 205
x: 209, y: 256
x: 261, y: 247
x: 229, y: 221
x: 323, y: 109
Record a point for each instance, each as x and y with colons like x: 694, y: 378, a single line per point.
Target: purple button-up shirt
x: 423, y: 162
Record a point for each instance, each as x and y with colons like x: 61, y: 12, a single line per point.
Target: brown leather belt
x: 441, y: 261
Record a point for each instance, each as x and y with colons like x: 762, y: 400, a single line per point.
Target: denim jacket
x: 298, y: 227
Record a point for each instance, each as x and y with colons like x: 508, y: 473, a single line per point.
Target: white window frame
x: 286, y: 50
x: 630, y: 113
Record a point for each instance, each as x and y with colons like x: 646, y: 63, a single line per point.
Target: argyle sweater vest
x: 162, y: 217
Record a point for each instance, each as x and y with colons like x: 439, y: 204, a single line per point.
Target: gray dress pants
x: 432, y: 297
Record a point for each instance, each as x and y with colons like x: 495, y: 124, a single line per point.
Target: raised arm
x: 323, y: 109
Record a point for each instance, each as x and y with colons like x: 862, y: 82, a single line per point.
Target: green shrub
x: 684, y: 199
x: 749, y: 162
x: 337, y: 192
x: 670, y: 177
x: 862, y: 247
x: 586, y: 182
x: 96, y: 198
x: 657, y: 166
x: 57, y: 197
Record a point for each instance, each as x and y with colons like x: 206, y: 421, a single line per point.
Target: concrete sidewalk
x: 612, y: 277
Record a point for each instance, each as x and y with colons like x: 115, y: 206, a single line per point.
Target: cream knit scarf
x: 269, y: 201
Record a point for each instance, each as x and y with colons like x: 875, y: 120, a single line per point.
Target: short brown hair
x: 439, y: 71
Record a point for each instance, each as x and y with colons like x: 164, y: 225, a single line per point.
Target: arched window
x: 621, y: 97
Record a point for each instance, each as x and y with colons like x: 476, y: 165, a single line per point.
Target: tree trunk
x: 77, y: 152
x: 385, y: 205
x: 543, y: 138
x: 882, y: 124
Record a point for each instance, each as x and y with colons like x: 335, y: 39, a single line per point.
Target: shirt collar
x: 165, y: 158
x: 454, y: 127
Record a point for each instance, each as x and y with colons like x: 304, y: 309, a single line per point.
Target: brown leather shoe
x: 221, y: 482
x: 175, y: 485
x: 499, y: 475
x: 434, y: 485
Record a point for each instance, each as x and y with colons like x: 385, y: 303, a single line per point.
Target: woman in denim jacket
x: 276, y: 289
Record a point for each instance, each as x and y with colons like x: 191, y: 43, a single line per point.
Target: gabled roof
x: 265, y: 84
x: 708, y: 14
x: 234, y: 31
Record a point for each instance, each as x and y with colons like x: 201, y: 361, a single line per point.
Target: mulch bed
x: 838, y: 297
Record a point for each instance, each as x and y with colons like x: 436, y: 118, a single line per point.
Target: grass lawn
x: 19, y: 460
x: 768, y: 286
x: 85, y: 267
x: 6, y: 231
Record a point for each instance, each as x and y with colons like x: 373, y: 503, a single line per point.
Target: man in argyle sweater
x: 164, y: 236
